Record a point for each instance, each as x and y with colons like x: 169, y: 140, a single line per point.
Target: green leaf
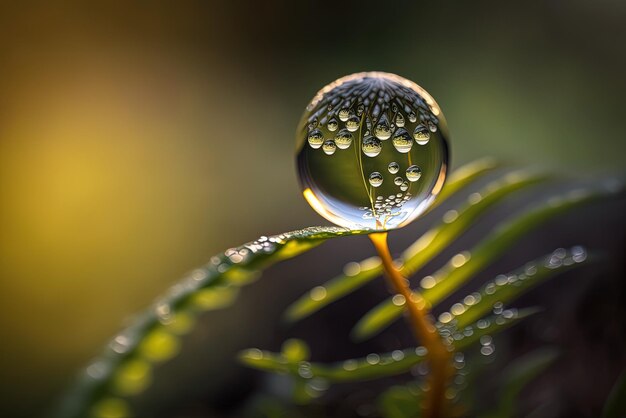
x: 424, y: 249
x: 505, y: 288
x: 465, y: 265
x: 373, y: 366
x: 401, y: 402
x: 615, y: 406
x: 517, y: 376
x: 125, y: 366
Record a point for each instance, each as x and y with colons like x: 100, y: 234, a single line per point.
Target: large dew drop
x: 347, y: 173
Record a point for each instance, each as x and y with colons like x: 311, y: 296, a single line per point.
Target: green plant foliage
x: 125, y: 366
x: 516, y: 377
x: 615, y: 406
x: 358, y: 274
x: 463, y: 266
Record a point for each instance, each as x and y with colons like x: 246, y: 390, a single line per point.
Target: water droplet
x: 315, y: 138
x: 399, y: 120
x: 371, y: 146
x: 398, y: 300
x: 397, y: 355
x: 432, y: 127
x: 421, y: 134
x: 402, y: 141
x: 318, y: 293
x: 382, y: 130
x: 332, y: 125
x: 352, y: 124
x: 445, y: 317
x: 412, y: 117
x: 413, y: 173
x: 372, y: 358
x: 372, y: 107
x: 329, y: 147
x: 398, y: 181
x: 376, y: 179
x: 343, y: 139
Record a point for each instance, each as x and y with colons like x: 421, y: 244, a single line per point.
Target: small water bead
x: 412, y: 117
x: 329, y: 147
x: 382, y: 130
x: 352, y: 124
x: 398, y: 181
x: 413, y: 173
x: 371, y: 146
x: 332, y: 125
x: 399, y: 120
x: 402, y: 141
x: 315, y: 138
x: 404, y: 186
x: 376, y: 179
x: 393, y: 167
x: 344, y: 114
x: 421, y: 134
x: 432, y: 127
x: 343, y: 139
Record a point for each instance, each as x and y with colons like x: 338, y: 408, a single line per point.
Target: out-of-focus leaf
x: 488, y: 326
x: 615, y: 406
x: 373, y: 366
x: 454, y: 223
x: 466, y: 265
x: 401, y: 402
x: 505, y: 288
x: 517, y: 376
x: 125, y: 365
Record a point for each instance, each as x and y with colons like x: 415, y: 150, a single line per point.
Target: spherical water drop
x: 352, y: 124
x: 343, y: 139
x: 371, y: 146
x: 329, y: 147
x: 376, y: 179
x: 398, y: 181
x: 402, y: 141
x: 399, y: 120
x: 344, y: 114
x: 362, y: 110
x: 332, y: 125
x: 316, y: 138
x: 382, y: 130
x: 421, y: 134
x: 432, y: 127
x: 413, y: 173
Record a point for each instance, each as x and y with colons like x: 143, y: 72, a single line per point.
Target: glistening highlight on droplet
x: 372, y: 151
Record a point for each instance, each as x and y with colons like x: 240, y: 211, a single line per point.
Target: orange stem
x: 439, y: 356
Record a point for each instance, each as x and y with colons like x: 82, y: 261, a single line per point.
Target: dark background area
x: 137, y: 139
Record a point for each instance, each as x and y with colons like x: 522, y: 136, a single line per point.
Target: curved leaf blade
x: 463, y: 266
x: 154, y: 335
x: 426, y: 247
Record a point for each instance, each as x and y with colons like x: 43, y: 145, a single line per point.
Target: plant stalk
x: 439, y: 356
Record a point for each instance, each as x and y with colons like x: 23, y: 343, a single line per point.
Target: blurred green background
x: 136, y: 139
